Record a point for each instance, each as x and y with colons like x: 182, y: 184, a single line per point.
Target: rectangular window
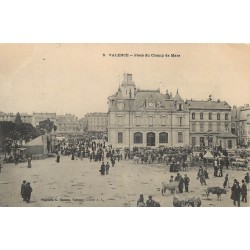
x: 163, y: 137
x: 210, y: 126
x: 202, y: 127
x: 218, y: 127
x: 218, y: 116
x: 120, y: 137
x: 120, y: 120
x: 226, y: 116
x: 193, y: 127
x: 137, y: 120
x: 150, y: 121
x: 201, y: 116
x: 193, y: 116
x: 180, y: 121
x: 180, y: 137
x: 210, y: 116
x: 163, y: 121
x: 226, y: 126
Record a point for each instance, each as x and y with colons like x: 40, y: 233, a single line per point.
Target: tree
x: 46, y: 125
x: 18, y: 119
x: 17, y: 131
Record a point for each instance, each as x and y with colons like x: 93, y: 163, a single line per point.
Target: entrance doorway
x: 151, y: 139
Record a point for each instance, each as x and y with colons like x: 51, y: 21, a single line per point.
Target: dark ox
x: 216, y: 190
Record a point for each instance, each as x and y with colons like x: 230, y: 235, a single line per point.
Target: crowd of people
x: 177, y: 159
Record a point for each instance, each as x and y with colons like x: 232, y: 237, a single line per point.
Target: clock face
x: 150, y: 104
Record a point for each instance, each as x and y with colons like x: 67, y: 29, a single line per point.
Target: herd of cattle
x: 189, y: 201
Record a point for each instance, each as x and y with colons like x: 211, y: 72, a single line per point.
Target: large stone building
x: 26, y: 118
x: 210, y: 124
x: 150, y: 118
x: 38, y: 117
x: 69, y: 125
x: 97, y: 123
x: 241, y: 124
x: 146, y: 117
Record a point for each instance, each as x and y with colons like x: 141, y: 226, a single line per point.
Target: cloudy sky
x: 77, y: 78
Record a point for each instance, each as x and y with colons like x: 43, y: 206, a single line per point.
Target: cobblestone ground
x: 79, y: 183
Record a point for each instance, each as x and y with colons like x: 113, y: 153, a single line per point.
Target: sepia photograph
x: 124, y: 125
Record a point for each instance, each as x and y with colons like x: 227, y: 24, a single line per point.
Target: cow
x: 216, y: 190
x: 171, y: 186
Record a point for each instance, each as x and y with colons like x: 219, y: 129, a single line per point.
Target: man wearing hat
x: 236, y: 192
x: 150, y: 202
x: 107, y: 168
x: 186, y: 182
x: 244, y: 192
x: 102, y: 170
x: 27, y: 192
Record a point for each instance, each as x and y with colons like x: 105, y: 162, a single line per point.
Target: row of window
x: 98, y: 120
x: 150, y: 138
x: 210, y: 127
x: 210, y: 116
x: 138, y: 121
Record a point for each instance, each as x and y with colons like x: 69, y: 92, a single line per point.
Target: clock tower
x: 128, y: 86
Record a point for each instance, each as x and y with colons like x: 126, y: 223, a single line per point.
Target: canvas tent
x: 208, y: 155
x: 38, y: 146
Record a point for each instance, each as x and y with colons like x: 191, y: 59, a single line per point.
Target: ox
x: 171, y: 186
x: 216, y: 190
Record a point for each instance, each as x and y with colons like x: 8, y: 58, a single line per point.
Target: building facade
x: 146, y: 118
x: 38, y: 117
x: 68, y: 125
x: 241, y: 123
x: 26, y: 118
x: 210, y: 124
x: 96, y: 123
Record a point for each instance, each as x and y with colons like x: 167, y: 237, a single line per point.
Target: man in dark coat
x: 113, y: 161
x: 27, y: 192
x: 181, y: 184
x: 150, y: 201
x: 23, y: 190
x: 102, y: 170
x: 236, y: 192
x: 186, y: 182
x: 244, y: 191
x: 107, y: 168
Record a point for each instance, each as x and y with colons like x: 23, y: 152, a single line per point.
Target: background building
x: 208, y: 120
x: 67, y: 124
x: 241, y: 124
x: 146, y: 117
x: 38, y: 117
x: 97, y: 123
x: 26, y: 118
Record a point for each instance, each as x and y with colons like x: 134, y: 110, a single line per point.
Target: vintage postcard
x: 124, y: 125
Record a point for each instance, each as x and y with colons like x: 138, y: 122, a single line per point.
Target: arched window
x: 163, y: 137
x: 138, y: 138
